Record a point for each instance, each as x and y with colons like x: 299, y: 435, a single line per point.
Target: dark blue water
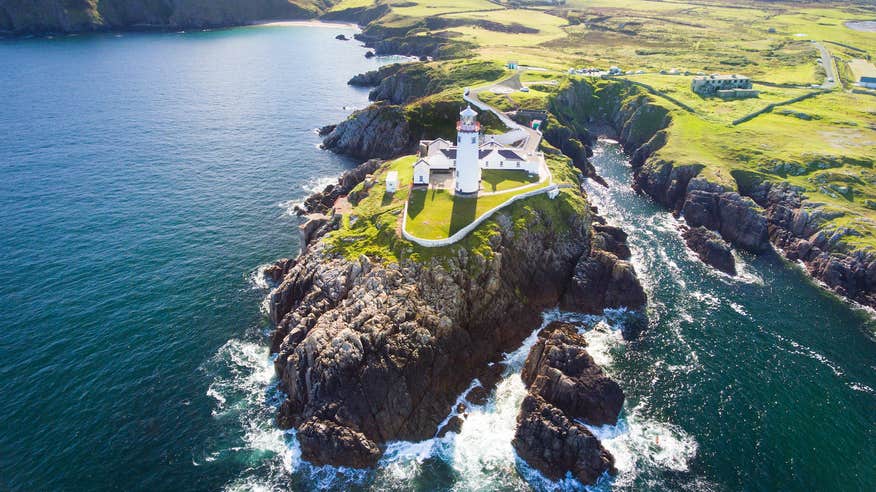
x: 141, y: 183
x: 146, y: 178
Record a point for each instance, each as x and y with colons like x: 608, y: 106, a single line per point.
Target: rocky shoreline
x: 370, y: 352
x: 759, y: 217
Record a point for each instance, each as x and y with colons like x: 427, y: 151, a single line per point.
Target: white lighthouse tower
x: 468, y: 169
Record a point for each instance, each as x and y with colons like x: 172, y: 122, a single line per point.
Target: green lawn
x: 500, y: 180
x: 437, y: 214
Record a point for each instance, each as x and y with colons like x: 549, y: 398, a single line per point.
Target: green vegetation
x: 824, y: 144
x: 503, y: 179
x: 373, y: 226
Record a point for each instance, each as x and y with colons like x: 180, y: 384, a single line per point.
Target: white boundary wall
x: 434, y: 243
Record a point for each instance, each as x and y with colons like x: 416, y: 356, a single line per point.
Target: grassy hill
x: 824, y: 144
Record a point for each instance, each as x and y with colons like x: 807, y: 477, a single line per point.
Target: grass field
x: 825, y: 145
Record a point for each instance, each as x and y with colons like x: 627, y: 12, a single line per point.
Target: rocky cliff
x: 59, y: 16
x: 386, y: 130
x: 371, y: 350
x: 756, y: 216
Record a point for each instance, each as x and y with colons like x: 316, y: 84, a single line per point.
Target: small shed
x: 392, y: 181
x: 421, y: 172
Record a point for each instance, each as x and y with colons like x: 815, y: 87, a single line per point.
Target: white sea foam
x: 639, y: 443
x: 257, y: 278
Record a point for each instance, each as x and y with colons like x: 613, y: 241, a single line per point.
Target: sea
x: 146, y: 180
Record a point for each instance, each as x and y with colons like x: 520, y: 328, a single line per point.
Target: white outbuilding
x: 392, y: 181
x: 421, y: 172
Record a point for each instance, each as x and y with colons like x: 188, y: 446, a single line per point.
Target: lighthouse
x: 468, y: 169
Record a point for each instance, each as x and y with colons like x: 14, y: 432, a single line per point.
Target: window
x: 518, y: 163
x: 474, y: 139
x: 458, y: 139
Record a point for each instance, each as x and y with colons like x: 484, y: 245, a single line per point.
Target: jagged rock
x: 559, y: 370
x: 316, y: 227
x: 374, y: 77
x: 325, y: 130
x: 710, y: 248
x: 383, y: 350
x: 611, y: 239
x: 378, y: 131
x: 329, y: 443
x: 342, y: 37
x: 323, y: 201
x: 478, y: 395
x: 739, y: 219
x: 553, y: 444
x: 275, y: 273
x: 370, y: 54
x: 602, y: 280
x: 453, y: 425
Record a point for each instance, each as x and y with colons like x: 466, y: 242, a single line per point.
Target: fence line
x: 773, y: 106
x: 434, y: 243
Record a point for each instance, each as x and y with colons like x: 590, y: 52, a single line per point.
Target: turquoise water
x: 146, y: 178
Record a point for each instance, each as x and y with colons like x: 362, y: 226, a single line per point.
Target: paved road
x: 829, y: 67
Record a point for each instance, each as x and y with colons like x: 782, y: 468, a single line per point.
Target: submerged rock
x: 710, y: 248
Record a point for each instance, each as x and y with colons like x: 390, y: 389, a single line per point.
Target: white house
x: 421, y: 172
x: 392, y: 181
x: 471, y: 154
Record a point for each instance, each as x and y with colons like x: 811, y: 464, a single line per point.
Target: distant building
x: 512, y: 65
x: 710, y: 85
x: 392, y: 181
x: 865, y: 73
x: 614, y: 71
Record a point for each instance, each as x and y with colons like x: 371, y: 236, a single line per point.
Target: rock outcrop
x: 565, y: 386
x: 603, y: 280
x: 554, y: 445
x: 376, y: 352
x: 323, y: 201
x: 380, y: 130
x: 559, y: 370
x: 710, y: 248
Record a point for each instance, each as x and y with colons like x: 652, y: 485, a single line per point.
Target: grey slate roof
x: 511, y: 155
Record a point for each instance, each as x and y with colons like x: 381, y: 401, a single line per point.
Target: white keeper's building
x: 469, y: 155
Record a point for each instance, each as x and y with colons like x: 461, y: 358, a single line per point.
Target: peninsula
x: 419, y: 270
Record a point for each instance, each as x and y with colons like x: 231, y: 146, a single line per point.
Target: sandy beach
x: 303, y: 23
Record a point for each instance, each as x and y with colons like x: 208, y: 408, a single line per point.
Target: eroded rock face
x: 553, y: 444
x: 380, y: 131
x: 710, y: 248
x: 559, y: 370
x: 327, y: 443
x: 739, y: 219
x: 369, y: 352
x: 602, y: 280
x: 323, y: 201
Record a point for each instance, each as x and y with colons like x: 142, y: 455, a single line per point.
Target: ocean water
x: 147, y: 179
